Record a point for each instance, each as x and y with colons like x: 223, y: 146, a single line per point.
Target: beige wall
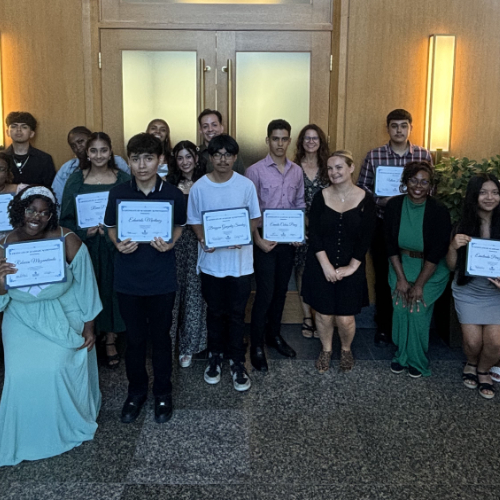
x: 42, y: 68
x: 385, y: 67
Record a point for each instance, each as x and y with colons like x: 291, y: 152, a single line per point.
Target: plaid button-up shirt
x: 386, y: 157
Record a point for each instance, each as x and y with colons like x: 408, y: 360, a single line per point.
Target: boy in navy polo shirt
x: 145, y: 281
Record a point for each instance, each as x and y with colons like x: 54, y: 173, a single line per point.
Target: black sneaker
x: 241, y: 380
x: 413, y: 372
x: 397, y: 368
x: 213, y: 370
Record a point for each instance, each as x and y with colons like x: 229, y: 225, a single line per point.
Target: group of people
x: 185, y: 291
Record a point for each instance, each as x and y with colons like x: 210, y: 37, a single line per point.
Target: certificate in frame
x: 5, y: 199
x: 388, y: 180
x: 38, y: 262
x: 225, y: 228
x: 284, y: 225
x: 483, y: 258
x: 142, y: 221
x: 90, y: 208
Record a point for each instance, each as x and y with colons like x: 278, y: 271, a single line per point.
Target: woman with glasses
x: 477, y: 299
x: 50, y: 397
x: 417, y: 230
x: 311, y: 154
x: 190, y: 312
x: 97, y: 173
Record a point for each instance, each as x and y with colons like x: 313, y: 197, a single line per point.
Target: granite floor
x: 296, y: 434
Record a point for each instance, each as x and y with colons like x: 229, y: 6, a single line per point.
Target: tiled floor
x: 296, y: 434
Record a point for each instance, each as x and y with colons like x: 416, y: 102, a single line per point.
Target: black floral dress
x: 189, y: 322
x: 310, y: 189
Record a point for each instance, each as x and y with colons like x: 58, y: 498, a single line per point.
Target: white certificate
x: 38, y: 262
x: 284, y: 225
x: 143, y: 221
x: 483, y: 258
x: 387, y: 181
x: 90, y: 209
x: 5, y: 199
x: 227, y: 228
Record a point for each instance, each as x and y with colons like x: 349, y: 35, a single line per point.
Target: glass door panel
x: 270, y: 85
x: 160, y: 84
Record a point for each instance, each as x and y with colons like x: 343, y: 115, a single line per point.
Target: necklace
x: 343, y: 198
x: 20, y: 164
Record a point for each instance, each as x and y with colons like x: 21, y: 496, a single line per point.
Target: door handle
x: 203, y: 70
x: 229, y: 70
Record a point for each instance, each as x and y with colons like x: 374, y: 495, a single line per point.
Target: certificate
x: 284, y: 225
x: 39, y: 262
x: 227, y: 227
x: 5, y: 199
x: 143, y: 221
x: 483, y: 258
x: 90, y: 209
x: 387, y: 181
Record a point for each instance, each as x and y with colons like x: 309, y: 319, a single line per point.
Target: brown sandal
x: 323, y: 362
x: 346, y: 361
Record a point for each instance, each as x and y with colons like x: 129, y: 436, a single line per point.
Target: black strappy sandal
x: 470, y: 377
x: 110, y: 360
x: 309, y: 329
x: 485, y: 386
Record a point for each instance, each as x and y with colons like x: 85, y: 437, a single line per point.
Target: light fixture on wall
x: 2, y: 131
x: 439, y: 101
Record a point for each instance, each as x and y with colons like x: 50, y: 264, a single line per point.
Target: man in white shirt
x: 225, y: 272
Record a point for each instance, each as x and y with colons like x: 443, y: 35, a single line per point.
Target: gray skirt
x: 477, y: 302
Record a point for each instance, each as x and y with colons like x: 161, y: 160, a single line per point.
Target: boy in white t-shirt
x: 225, y: 272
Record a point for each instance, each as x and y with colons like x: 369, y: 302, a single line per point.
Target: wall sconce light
x: 2, y: 131
x: 439, y: 101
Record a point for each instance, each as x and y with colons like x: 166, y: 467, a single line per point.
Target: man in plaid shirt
x: 396, y: 153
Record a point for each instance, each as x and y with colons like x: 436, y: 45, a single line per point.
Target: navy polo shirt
x: 145, y: 271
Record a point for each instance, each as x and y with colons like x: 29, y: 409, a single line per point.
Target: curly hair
x: 470, y: 223
x: 86, y: 164
x: 323, y: 152
x: 17, y: 208
x: 411, y: 169
x: 6, y: 158
x: 174, y: 172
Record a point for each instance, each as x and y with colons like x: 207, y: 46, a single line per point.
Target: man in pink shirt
x: 280, y: 184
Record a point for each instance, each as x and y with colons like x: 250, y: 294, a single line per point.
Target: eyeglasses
x: 416, y: 182
x: 311, y: 139
x: 30, y: 212
x: 218, y: 156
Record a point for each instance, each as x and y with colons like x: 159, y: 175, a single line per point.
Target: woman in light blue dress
x: 50, y: 399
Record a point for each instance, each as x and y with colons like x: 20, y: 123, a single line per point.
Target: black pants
x: 383, y: 299
x: 272, y: 274
x: 142, y: 315
x: 226, y: 300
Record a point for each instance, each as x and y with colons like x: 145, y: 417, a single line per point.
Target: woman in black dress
x: 341, y: 223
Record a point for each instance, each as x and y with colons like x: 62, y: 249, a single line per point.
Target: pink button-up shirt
x: 276, y: 189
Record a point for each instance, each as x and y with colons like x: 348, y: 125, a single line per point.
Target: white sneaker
x: 185, y: 360
x: 241, y: 380
x: 213, y: 369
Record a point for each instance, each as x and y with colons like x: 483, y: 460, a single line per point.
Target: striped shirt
x: 386, y: 157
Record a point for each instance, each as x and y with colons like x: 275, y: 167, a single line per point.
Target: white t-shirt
x: 237, y: 192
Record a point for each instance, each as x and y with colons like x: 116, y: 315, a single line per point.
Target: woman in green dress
x: 418, y: 230
x: 97, y: 173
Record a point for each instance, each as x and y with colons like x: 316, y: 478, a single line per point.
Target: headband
x: 41, y: 190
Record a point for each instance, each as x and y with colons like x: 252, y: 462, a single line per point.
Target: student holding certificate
x: 396, y: 153
x: 97, y: 175
x: 145, y: 272
x: 341, y: 224
x: 51, y: 396
x: 477, y: 298
x: 225, y: 271
x: 190, y: 311
x: 417, y: 231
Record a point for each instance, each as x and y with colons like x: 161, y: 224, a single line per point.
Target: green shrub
x: 452, y: 176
